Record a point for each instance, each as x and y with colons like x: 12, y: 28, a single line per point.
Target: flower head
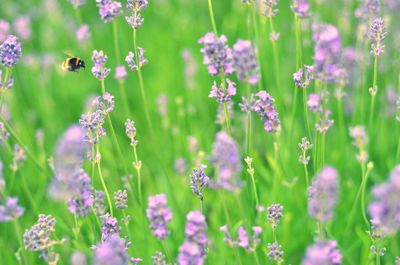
x: 384, y: 209
x: 322, y: 194
x: 98, y: 70
x: 22, y: 27
x: 301, y: 8
x: 303, y: 79
x: 109, y: 227
x: 10, y: 51
x: 133, y: 65
x: 198, y: 181
x: 120, y: 73
x: 325, y: 252
x: 121, y: 199
x: 111, y: 252
x: 264, y: 106
x: 81, y: 200
x: 38, y: 237
x: 135, y: 20
x: 109, y: 10
x: 377, y: 34
x: 221, y: 94
x: 269, y: 8
x: 130, y: 131
x: 159, y: 215
x: 275, y: 252
x: 245, y: 62
x: 10, y: 210
x: 217, y: 55
x: 77, y: 3
x: 137, y: 5
x: 82, y: 33
x: 274, y: 215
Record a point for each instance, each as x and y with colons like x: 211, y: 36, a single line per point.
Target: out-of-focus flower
x: 108, y: 9
x: 274, y: 36
x: 216, y: 54
x: 120, y: 73
x: 304, y: 146
x: 247, y: 105
x: 221, y: 93
x: 325, y: 252
x: 4, y: 134
x: 111, y: 252
x: 314, y: 102
x: 99, y: 207
x: 4, y: 30
x: 81, y: 200
x: 269, y: 8
x: 77, y: 3
x: 22, y: 26
x: 98, y: 70
x: 121, y: 199
x: 10, y: 210
x: 384, y: 209
x: 360, y: 140
x: 225, y: 158
x: 78, y: 258
x: 159, y: 215
x: 264, y: 106
x: 18, y: 158
x: 324, y: 123
x: 82, y: 33
x: 301, y: 8
x: 180, y: 166
x: 243, y: 239
x: 158, y: 259
x: 137, y: 5
x: 130, y: 131
x: 245, y: 62
x: 322, y: 195
x: 326, y: 52
x: 8, y: 84
x: 133, y: 65
x: 198, y: 181
x: 10, y: 51
x: 39, y: 236
x: 190, y: 68
x: 193, y: 250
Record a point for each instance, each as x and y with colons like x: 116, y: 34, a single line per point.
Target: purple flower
x: 384, y: 209
x: 78, y: 258
x: 158, y: 259
x: 193, y: 250
x: 198, y: 181
x: 269, y: 6
x: 111, y: 252
x: 18, y: 158
x: 221, y: 93
x: 81, y: 201
x: 301, y: 8
x: 159, y: 215
x: 82, y: 33
x: 245, y: 62
x: 303, y: 80
x: 360, y: 140
x: 121, y: 199
x: 314, y: 102
x: 225, y: 158
x: 4, y: 134
x: 22, y: 26
x: 324, y: 123
x: 109, y: 227
x: 326, y: 52
x: 137, y: 5
x: 99, y: 207
x: 247, y: 105
x: 180, y: 166
x: 98, y: 70
x: 10, y: 211
x: 190, y: 68
x: 274, y: 215
x: 131, y: 61
x: 109, y: 9
x: 325, y: 253
x: 217, y: 55
x: 377, y: 35
x: 264, y: 106
x: 38, y: 237
x: 275, y: 252
x: 135, y: 20
x: 243, y: 240
x: 120, y: 73
x: 130, y: 131
x: 4, y: 30
x: 77, y: 3
x: 10, y: 51
x: 322, y: 195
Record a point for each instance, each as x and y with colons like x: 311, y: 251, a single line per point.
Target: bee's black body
x: 73, y: 64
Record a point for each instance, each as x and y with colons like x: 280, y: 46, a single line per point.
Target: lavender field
x: 195, y: 132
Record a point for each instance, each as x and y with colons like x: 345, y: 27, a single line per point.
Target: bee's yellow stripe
x: 77, y: 61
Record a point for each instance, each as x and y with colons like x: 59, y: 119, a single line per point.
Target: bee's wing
x: 68, y: 53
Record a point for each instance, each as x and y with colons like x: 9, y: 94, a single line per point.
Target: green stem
x: 363, y: 186
x: 138, y: 171
x: 374, y: 86
x: 141, y: 83
x: 103, y: 183
x: 276, y: 58
x: 19, y: 238
x: 210, y: 9
x: 248, y: 133
x: 78, y: 16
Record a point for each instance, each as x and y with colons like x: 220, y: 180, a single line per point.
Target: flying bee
x: 73, y: 64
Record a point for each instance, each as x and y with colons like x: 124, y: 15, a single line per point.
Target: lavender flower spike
x: 131, y: 60
x: 264, y: 106
x: 108, y: 9
x: 245, y: 62
x: 274, y: 215
x: 121, y: 198
x: 384, y: 209
x: 325, y: 253
x: 98, y: 70
x: 10, y: 210
x: 111, y: 252
x: 38, y: 237
x: 377, y: 35
x: 159, y: 215
x: 301, y: 8
x: 217, y: 55
x: 198, y: 181
x: 221, y: 94
x: 322, y: 194
x: 10, y: 51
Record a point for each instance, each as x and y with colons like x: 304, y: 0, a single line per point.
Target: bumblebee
x: 73, y: 64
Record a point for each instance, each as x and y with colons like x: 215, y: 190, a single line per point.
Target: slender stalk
x: 211, y: 11
x: 374, y: 86
x: 248, y: 133
x: 138, y: 171
x: 78, y: 16
x: 19, y: 238
x: 363, y: 186
x: 164, y: 246
x: 275, y: 54
x: 257, y: 41
x: 103, y: 183
x: 226, y: 111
